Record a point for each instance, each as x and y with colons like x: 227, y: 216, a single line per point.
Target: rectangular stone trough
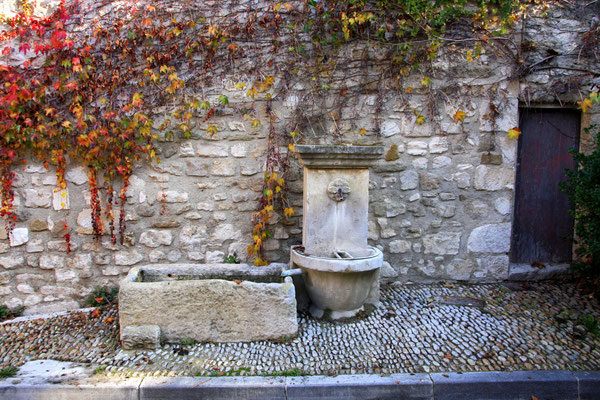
x: 172, y: 303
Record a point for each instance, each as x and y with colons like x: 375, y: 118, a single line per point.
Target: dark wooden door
x: 542, y: 227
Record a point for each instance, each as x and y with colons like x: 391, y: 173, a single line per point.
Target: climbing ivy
x: 86, y: 89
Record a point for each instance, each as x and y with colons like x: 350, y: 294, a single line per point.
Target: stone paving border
x: 557, y: 385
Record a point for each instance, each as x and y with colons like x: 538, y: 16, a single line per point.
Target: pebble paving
x: 417, y: 328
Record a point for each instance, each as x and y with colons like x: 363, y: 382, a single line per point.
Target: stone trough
x: 172, y: 303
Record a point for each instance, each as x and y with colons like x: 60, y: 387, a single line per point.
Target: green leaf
x: 223, y: 99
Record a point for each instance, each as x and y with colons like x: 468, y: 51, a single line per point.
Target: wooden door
x: 542, y: 226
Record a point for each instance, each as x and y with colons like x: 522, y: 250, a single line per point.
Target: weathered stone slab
x: 195, y: 301
x: 491, y: 238
x: 140, y: 336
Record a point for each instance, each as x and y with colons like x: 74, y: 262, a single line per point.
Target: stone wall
x: 441, y: 201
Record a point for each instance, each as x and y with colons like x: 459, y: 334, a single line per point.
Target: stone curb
x: 557, y: 385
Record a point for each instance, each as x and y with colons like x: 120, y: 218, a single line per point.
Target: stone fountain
x: 340, y: 270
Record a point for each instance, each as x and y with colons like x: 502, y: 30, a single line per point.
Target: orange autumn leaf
x: 514, y: 133
x: 459, y: 116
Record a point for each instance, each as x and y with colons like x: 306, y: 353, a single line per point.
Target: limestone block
x: 60, y: 199
x: 387, y: 273
x: 214, y: 257
x: 420, y: 163
x: 250, y: 167
x: 32, y: 260
x: 389, y: 128
x: 38, y: 198
x: 211, y: 151
x: 429, y: 181
x: 32, y: 300
x: 81, y: 261
x: 14, y: 303
x: 442, y: 243
x: 128, y: 257
x: 6, y: 277
x: 224, y: 167
x: 438, y: 145
x: 50, y: 180
x: 462, y: 179
x: 66, y: 275
x: 51, y: 261
x: 409, y: 180
x: 503, y: 205
x: 492, y: 267
x: 492, y: 238
x: 416, y: 148
x: 51, y: 308
x: 226, y: 232
x: 196, y: 168
x: 155, y: 238
x: 387, y: 233
x: 84, y: 222
x: 399, y: 246
x: 441, y: 162
x: 111, y: 271
x: 192, y: 235
x: 38, y: 225
x: 446, y: 211
x: 35, y: 246
x: 19, y: 236
x: 61, y: 245
x: 460, y: 269
x: 11, y: 262
x: 155, y: 256
x: 236, y: 126
x: 160, y: 178
x: 491, y: 179
x: 239, y: 150
x: 373, y: 233
x: 77, y: 175
x: 388, y: 208
x: 172, y: 196
x: 186, y: 149
x: 174, y: 255
x: 140, y: 336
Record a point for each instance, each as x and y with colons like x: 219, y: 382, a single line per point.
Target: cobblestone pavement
x: 417, y: 328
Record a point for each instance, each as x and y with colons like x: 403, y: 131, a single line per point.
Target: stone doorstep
x: 566, y: 385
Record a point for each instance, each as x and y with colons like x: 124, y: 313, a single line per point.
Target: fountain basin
x: 205, y: 302
x: 339, y: 287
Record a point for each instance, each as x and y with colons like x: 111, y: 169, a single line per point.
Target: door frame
x: 524, y: 271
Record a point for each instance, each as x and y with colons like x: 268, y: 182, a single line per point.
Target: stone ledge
x: 443, y: 386
x: 338, y: 157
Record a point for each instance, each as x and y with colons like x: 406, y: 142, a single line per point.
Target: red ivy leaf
x: 24, y: 48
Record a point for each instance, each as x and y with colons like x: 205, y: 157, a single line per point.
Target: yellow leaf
x: 459, y: 116
x: 514, y: 133
x: 211, y: 129
x: 420, y: 120
x: 363, y: 131
x: 291, y: 147
x: 277, y: 189
x: 585, y: 104
x: 426, y: 81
